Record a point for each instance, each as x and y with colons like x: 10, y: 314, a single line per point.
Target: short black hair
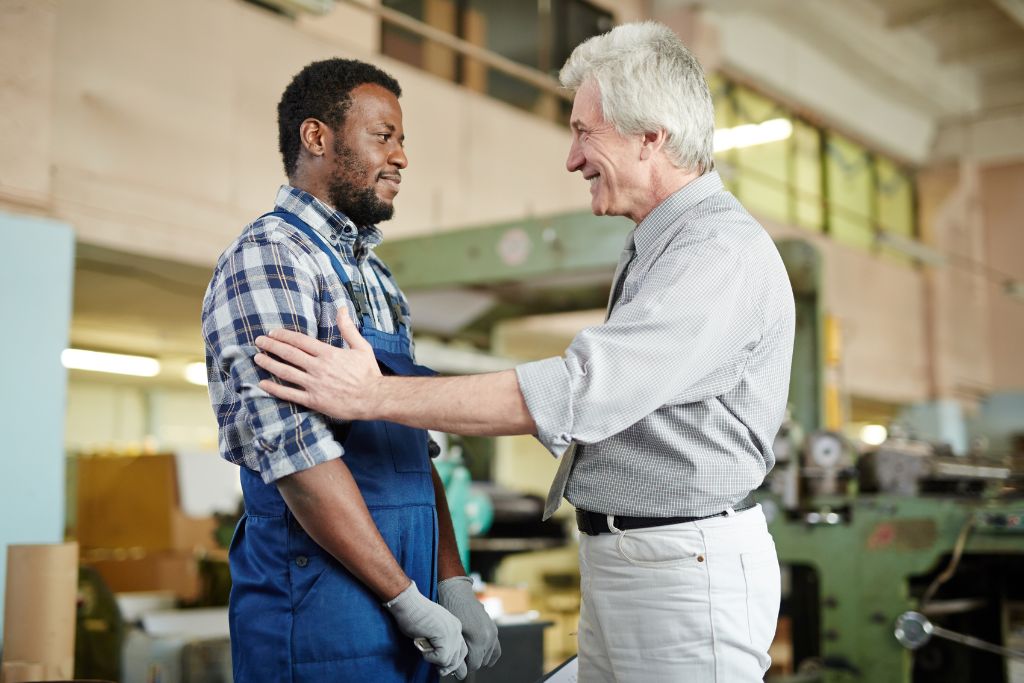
x: 322, y: 90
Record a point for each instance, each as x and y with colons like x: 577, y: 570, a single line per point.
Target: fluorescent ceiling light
x: 116, y: 363
x: 752, y: 134
x: 195, y: 373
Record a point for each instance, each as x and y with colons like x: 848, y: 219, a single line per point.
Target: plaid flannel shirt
x: 274, y: 276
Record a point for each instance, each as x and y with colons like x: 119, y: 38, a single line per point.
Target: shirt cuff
x: 545, y: 388
x: 295, y: 453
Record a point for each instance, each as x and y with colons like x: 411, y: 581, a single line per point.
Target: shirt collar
x: 332, y: 224
x: 679, y: 202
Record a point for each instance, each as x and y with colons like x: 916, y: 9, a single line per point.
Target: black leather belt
x: 594, y: 523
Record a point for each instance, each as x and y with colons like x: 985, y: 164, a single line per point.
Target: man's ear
x: 313, y: 134
x: 651, y: 143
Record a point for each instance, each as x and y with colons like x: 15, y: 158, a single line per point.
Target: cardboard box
x: 133, y: 502
x: 39, y: 611
x: 175, y: 571
x: 514, y: 600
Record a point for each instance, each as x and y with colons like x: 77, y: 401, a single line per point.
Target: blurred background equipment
x: 871, y: 529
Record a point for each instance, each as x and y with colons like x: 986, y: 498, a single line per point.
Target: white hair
x: 649, y: 81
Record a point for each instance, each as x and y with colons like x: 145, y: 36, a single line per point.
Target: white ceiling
x: 899, y: 74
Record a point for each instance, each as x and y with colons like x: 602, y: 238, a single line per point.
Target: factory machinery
x: 880, y: 550
x: 903, y: 562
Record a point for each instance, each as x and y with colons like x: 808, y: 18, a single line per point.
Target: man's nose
x: 398, y: 158
x: 575, y: 159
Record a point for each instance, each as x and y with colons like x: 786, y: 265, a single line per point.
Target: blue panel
x: 35, y: 288
x: 1000, y: 420
x: 940, y: 421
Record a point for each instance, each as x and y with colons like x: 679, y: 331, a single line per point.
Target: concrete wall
x: 1002, y: 202
x: 151, y: 126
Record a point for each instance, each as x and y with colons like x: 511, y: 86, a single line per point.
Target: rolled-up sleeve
x: 669, y: 343
x: 545, y: 385
x: 264, y: 285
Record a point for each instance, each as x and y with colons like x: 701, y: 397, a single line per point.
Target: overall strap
x: 356, y: 291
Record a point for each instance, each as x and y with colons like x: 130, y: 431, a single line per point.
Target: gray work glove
x: 437, y: 632
x: 456, y: 595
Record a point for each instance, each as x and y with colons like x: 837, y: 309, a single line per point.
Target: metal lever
x: 913, y: 630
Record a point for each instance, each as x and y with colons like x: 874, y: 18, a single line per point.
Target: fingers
x: 284, y: 350
x: 495, y: 654
x: 311, y: 345
x: 281, y: 370
x: 286, y: 393
x: 350, y: 333
x: 459, y: 667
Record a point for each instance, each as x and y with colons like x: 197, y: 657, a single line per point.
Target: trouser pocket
x: 763, y: 582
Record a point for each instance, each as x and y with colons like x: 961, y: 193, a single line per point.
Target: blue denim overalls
x: 296, y: 614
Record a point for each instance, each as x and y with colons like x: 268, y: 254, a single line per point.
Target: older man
x: 664, y: 416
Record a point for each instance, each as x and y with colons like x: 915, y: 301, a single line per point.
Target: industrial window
x: 763, y: 180
x: 849, y: 171
x: 895, y: 203
x: 540, y: 35
x: 786, y: 169
x: 808, y: 205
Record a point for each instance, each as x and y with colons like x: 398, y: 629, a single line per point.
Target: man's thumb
x: 349, y: 332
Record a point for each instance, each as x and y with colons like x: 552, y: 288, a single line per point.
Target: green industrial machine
x: 866, y: 539
x: 471, y: 511
x: 857, y: 561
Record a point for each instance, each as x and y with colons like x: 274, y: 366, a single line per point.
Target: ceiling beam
x: 1013, y: 9
x: 987, y: 48
x: 907, y: 16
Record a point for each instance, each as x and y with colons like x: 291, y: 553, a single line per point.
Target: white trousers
x: 684, y: 603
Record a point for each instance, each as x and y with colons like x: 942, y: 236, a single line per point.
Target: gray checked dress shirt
x: 671, y: 406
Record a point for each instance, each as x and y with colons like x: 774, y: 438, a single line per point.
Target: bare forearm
x: 477, y: 405
x: 448, y: 562
x: 327, y: 503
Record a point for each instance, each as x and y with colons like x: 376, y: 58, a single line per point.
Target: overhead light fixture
x: 116, y: 363
x: 874, y: 435
x: 195, y: 373
x: 752, y: 134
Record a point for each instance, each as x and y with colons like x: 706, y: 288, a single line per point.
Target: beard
x: 360, y: 204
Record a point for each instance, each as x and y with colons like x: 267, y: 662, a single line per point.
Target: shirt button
x: 301, y: 561
x: 700, y: 558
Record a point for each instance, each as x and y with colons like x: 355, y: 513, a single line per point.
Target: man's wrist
x: 372, y: 405
x: 391, y: 601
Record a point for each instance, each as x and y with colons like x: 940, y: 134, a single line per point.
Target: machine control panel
x: 1005, y: 521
